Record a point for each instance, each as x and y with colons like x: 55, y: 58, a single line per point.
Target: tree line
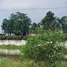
x: 20, y: 24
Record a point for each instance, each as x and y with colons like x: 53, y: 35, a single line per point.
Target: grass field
x: 26, y: 63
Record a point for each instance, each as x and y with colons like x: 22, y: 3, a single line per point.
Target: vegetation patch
x: 45, y: 48
x: 10, y: 47
x: 27, y: 63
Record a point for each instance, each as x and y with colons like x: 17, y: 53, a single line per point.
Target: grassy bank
x: 9, y: 47
x: 26, y: 63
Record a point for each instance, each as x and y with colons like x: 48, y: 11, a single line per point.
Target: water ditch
x: 9, y: 54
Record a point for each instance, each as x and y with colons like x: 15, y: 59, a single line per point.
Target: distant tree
x: 33, y: 26
x: 36, y: 27
x: 5, y: 26
x: 49, y: 21
x: 21, y: 23
x: 64, y: 24
x: 18, y: 23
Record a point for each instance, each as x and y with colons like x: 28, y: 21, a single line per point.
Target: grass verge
x: 27, y: 63
x: 10, y: 46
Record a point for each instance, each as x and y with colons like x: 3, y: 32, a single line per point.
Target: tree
x: 5, y: 26
x: 21, y: 23
x: 36, y: 27
x: 18, y: 23
x: 49, y: 21
x: 64, y: 24
x: 33, y: 26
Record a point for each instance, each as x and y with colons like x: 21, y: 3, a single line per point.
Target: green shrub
x: 10, y: 37
x: 45, y: 47
x: 66, y: 36
x: 24, y: 37
x: 2, y: 37
x: 13, y: 37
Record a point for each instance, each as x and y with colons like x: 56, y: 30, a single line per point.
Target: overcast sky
x: 11, y: 6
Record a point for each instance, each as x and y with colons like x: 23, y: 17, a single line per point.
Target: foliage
x: 14, y: 37
x: 9, y: 46
x: 64, y: 23
x: 46, y: 21
x: 45, y: 47
x: 5, y: 26
x: 21, y: 23
x: 2, y: 37
x: 24, y: 37
x: 35, y: 27
x: 18, y: 24
x: 50, y: 22
x: 26, y: 63
x: 39, y: 30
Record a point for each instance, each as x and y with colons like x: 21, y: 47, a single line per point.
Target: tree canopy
x: 18, y: 23
x: 47, y: 20
x: 50, y: 21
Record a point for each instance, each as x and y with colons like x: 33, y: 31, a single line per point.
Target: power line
x: 35, y: 9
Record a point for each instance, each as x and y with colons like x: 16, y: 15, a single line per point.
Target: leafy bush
x: 45, y: 47
x: 66, y: 36
x: 24, y: 37
x: 10, y: 37
x: 1, y: 34
x: 13, y: 37
x: 2, y: 37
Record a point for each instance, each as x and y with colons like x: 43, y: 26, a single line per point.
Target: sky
x: 35, y: 9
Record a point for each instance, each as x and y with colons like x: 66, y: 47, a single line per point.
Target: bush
x: 2, y: 37
x: 13, y: 37
x: 26, y: 37
x: 1, y: 34
x: 66, y: 36
x: 10, y: 37
x: 45, y: 47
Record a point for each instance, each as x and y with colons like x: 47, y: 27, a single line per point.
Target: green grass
x: 11, y: 63
x: 9, y: 47
x: 26, y: 63
x: 62, y: 64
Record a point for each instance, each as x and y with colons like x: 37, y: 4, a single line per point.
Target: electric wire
x: 33, y: 9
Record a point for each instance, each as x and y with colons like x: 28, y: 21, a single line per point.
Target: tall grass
x: 26, y: 63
